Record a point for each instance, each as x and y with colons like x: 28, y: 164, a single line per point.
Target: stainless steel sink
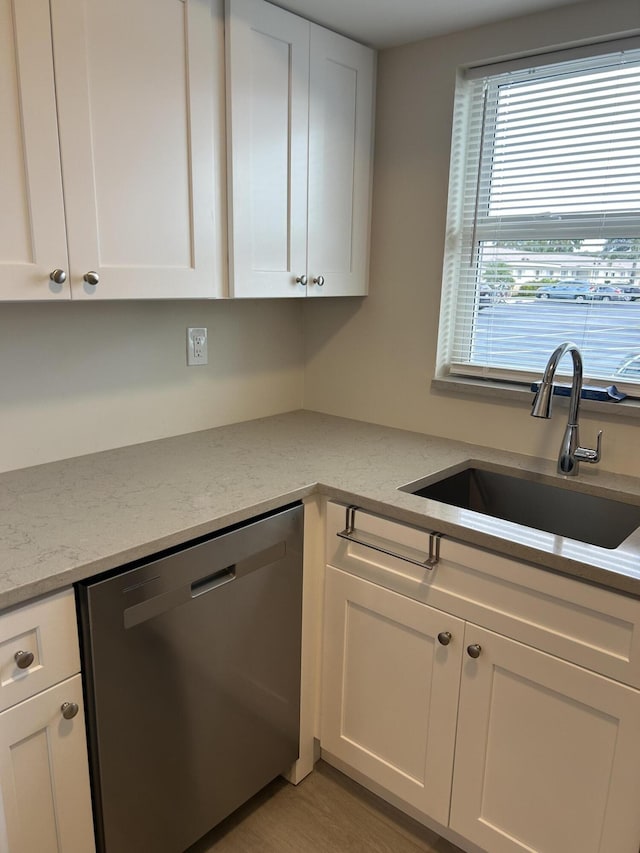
x: 539, y: 503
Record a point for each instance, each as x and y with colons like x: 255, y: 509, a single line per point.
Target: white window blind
x: 543, y: 227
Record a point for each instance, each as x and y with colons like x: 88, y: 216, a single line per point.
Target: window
x: 543, y: 227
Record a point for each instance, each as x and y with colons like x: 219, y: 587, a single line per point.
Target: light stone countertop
x: 69, y: 520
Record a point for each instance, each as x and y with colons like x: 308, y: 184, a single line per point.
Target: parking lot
x: 524, y: 333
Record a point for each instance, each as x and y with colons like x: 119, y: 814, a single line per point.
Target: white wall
x: 76, y: 378
x: 373, y: 359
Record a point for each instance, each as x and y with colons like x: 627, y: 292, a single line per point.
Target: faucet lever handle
x: 587, y: 454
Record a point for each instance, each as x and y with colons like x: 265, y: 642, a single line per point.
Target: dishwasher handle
x: 213, y: 581
x: 158, y: 604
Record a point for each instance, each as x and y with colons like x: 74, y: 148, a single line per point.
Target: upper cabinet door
x: 268, y: 112
x: 136, y: 85
x: 340, y: 164
x: 300, y: 137
x: 32, y: 230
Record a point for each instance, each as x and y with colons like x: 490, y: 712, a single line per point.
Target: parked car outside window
x: 485, y: 296
x: 629, y: 367
x: 581, y: 291
x: 630, y: 292
x: 488, y: 295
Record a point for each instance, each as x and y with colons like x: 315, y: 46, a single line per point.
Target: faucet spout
x: 570, y: 451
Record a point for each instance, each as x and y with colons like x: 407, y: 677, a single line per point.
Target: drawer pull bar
x: 349, y: 533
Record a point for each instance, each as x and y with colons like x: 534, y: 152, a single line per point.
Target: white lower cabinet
x: 502, y: 745
x: 45, y: 799
x: 44, y: 774
x: 390, y: 689
x: 547, y: 754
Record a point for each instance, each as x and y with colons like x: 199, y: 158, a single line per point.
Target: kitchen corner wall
x: 77, y: 378
x: 373, y: 359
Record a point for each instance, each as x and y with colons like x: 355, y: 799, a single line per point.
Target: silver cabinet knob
x: 69, y: 710
x: 319, y: 280
x: 444, y: 638
x: 92, y: 277
x: 474, y: 650
x: 23, y: 659
x: 301, y: 279
x: 58, y: 276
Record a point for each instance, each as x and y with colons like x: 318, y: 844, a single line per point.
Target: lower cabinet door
x: 547, y: 753
x: 390, y: 690
x: 46, y: 801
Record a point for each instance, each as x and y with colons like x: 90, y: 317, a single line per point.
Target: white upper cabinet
x: 136, y: 85
x: 267, y: 121
x: 300, y: 130
x: 32, y: 231
x: 136, y: 93
x: 340, y: 160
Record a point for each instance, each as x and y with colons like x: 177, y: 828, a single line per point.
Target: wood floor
x: 325, y: 813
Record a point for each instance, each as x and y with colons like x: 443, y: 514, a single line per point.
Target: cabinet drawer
x: 594, y: 627
x: 47, y: 630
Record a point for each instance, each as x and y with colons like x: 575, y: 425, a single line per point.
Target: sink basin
x: 537, y: 503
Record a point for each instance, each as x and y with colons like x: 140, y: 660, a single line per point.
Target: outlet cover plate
x: 197, y: 352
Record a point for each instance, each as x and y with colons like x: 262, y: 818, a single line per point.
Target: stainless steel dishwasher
x: 192, y: 682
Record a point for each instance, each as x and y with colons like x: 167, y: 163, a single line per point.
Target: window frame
x: 475, y: 166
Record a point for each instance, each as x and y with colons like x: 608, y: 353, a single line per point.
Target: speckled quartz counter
x: 72, y: 519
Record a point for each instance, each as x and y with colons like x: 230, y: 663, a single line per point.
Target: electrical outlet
x: 197, y: 346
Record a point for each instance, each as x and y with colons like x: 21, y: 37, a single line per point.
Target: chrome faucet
x: 571, y: 454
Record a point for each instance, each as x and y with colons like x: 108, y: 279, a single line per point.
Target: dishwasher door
x: 192, y: 677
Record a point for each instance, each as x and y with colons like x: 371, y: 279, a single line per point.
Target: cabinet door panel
x: 268, y: 74
x: 390, y: 690
x: 547, y: 754
x: 32, y: 229
x: 340, y: 163
x: 46, y: 804
x: 136, y: 90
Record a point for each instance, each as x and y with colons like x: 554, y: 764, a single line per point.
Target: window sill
x: 512, y: 393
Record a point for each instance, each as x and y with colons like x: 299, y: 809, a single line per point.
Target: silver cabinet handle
x: 444, y: 638
x: 376, y: 544
x: 23, y: 659
x: 69, y: 710
x: 474, y: 650
x: 58, y: 276
x: 91, y: 277
x: 319, y: 280
x: 301, y: 279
